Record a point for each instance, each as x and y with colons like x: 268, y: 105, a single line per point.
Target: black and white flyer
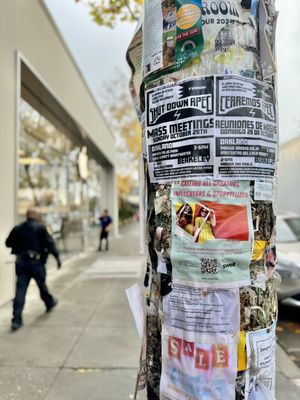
x: 246, y: 132
x: 180, y: 130
x: 219, y: 127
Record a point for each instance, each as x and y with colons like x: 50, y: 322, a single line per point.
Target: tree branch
x: 132, y: 14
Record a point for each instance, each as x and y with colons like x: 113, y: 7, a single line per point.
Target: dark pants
x: 103, y: 235
x: 25, y: 270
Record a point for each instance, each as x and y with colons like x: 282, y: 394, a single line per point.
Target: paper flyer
x: 152, y: 36
x: 172, y: 35
x: 263, y: 262
x: 245, y: 129
x: 261, y: 359
x: 267, y: 22
x: 202, y: 311
x: 221, y: 127
x: 221, y: 19
x: 197, y: 371
x: 136, y: 299
x: 242, y: 352
x: 212, y: 233
x: 259, y: 247
x: 179, y: 130
x: 134, y: 59
x: 189, y: 37
x: 263, y: 190
x: 169, y: 32
x: 142, y: 376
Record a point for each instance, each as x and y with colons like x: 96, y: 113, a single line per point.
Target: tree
x: 117, y: 107
x: 109, y: 12
x: 115, y: 99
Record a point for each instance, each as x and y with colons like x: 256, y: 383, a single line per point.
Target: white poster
x: 220, y: 127
x: 245, y: 129
x: 153, y: 33
x: 136, y: 299
x: 202, y: 311
x: 197, y: 371
x: 226, y: 24
x: 267, y: 22
x: 263, y: 190
x: 179, y: 130
x: 260, y: 374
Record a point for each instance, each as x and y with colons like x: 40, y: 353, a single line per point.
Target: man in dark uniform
x: 106, y: 225
x: 31, y: 243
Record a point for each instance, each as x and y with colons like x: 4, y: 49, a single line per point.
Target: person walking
x: 106, y: 225
x: 31, y: 243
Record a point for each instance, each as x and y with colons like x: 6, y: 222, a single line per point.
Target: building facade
x: 56, y: 150
x: 289, y: 177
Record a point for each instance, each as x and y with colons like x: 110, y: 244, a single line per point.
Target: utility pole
x: 204, y: 85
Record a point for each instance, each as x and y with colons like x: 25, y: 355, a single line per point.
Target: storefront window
x: 50, y: 180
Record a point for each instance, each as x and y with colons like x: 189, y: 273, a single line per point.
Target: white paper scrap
x: 260, y: 374
x: 135, y: 297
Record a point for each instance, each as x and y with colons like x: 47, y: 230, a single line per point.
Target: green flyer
x: 212, y: 233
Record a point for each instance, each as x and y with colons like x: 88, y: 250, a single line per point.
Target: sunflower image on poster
x: 212, y: 232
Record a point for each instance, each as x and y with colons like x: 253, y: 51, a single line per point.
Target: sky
x: 100, y: 52
x: 288, y: 57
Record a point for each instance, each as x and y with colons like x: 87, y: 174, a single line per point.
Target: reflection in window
x: 49, y: 180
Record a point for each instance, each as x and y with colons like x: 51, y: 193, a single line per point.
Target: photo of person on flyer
x: 184, y: 218
x: 204, y: 223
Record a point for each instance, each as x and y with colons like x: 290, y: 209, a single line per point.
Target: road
x: 288, y: 332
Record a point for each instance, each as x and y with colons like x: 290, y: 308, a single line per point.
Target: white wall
x: 26, y: 27
x: 7, y: 140
x: 289, y: 177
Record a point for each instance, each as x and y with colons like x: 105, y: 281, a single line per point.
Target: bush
x: 125, y: 214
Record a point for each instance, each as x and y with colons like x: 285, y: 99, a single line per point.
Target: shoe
x: 16, y: 325
x: 49, y: 309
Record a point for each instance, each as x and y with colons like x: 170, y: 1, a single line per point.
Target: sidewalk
x: 287, y: 377
x: 87, y: 348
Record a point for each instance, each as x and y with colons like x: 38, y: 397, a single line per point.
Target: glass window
x: 49, y: 180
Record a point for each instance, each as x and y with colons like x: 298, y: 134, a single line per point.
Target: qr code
x: 209, y: 266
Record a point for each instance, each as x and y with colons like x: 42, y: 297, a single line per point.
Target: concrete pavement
x: 87, y: 348
x: 287, y: 377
